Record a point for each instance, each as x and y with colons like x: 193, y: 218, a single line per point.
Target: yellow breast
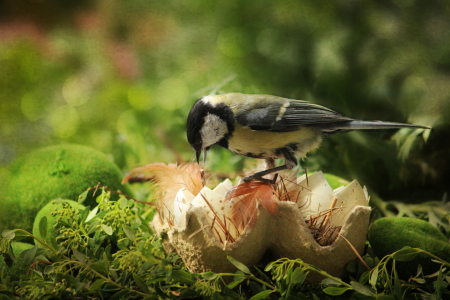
x: 264, y: 144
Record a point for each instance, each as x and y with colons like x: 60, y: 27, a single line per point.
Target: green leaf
x: 239, y: 265
x: 230, y: 293
x: 141, y: 284
x: 123, y: 294
x: 43, y: 227
x: 83, y: 196
x: 268, y: 267
x: 262, y: 295
x: 123, y: 203
x: 315, y: 297
x: 10, y: 258
x: 92, y: 214
x: 352, y: 266
x: 374, y: 277
x: 183, y: 277
x: 30, y: 255
x: 8, y: 234
x: 362, y: 289
x: 419, y: 280
x: 335, y: 291
x: 298, y: 276
x: 129, y: 232
x: 97, y: 284
x: 330, y: 282
x: 263, y: 276
x: 107, y: 229
x: 98, y: 267
x: 397, y: 288
x: 49, y: 269
x: 80, y: 256
x: 364, y: 278
x: 235, y: 283
x: 209, y: 275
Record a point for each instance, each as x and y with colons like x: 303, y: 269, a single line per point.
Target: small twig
x: 38, y: 262
x: 357, y: 254
x: 96, y: 188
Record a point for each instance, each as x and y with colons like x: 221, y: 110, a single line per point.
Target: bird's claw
x: 259, y: 178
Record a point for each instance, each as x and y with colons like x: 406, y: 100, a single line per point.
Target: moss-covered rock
x: 18, y: 268
x: 47, y: 211
x: 388, y: 235
x: 63, y: 171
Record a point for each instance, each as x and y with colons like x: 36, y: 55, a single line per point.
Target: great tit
x: 267, y: 127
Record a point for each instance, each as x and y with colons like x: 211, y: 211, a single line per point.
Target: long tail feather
x: 358, y: 125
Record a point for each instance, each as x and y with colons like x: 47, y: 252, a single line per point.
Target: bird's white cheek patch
x: 213, y: 130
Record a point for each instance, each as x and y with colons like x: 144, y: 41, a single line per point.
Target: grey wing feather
x: 288, y: 116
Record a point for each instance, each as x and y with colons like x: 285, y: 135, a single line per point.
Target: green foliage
x: 110, y: 252
x: 17, y: 268
x: 46, y: 219
x: 50, y: 173
x: 388, y: 235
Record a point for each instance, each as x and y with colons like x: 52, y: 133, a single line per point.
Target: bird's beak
x: 204, y: 156
x: 197, y: 155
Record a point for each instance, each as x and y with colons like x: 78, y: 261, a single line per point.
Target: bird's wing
x: 287, y: 115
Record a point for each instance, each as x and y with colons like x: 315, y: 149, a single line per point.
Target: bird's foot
x: 259, y: 178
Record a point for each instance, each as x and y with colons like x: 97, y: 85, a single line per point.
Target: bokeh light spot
x: 140, y: 97
x: 64, y: 121
x: 76, y: 90
x: 414, y: 86
x: 233, y: 42
x: 328, y: 57
x: 268, y: 41
x: 128, y: 124
x: 172, y: 93
x: 32, y: 107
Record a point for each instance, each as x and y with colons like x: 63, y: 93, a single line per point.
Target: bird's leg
x: 290, y: 162
x: 259, y: 175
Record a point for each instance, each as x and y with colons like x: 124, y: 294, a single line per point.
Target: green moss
x: 62, y: 171
x: 388, y: 235
x: 18, y: 268
x: 335, y: 181
x: 47, y: 210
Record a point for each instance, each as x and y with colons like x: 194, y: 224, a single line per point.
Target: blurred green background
x: 121, y: 77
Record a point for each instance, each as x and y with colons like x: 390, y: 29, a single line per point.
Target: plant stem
x: 433, y: 256
x: 39, y: 240
x: 325, y: 274
x: 252, y: 277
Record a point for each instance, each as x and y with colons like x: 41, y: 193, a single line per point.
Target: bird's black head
x: 209, y: 123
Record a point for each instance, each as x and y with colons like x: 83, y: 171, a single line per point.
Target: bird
x: 267, y: 127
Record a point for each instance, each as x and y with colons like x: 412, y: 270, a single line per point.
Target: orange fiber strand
x: 248, y: 195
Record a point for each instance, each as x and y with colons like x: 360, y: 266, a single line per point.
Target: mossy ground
x: 62, y: 171
x: 388, y: 235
